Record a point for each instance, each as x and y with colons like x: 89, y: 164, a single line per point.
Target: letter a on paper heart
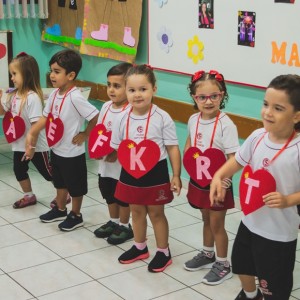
x: 202, y: 166
x: 138, y: 159
x: 54, y: 130
x: 99, y: 142
x: 253, y: 186
x: 13, y: 127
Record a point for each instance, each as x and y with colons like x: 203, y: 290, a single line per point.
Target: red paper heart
x: 13, y: 127
x: 138, y: 159
x: 99, y: 142
x: 202, y: 166
x: 54, y: 130
x: 2, y: 50
x: 253, y: 186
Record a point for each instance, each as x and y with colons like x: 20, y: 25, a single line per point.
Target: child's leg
x: 61, y: 198
x: 124, y: 213
x: 139, y: 222
x: 208, y: 238
x: 76, y: 205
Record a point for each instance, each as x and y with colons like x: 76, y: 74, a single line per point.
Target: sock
x: 140, y: 246
x: 164, y: 250
x: 251, y: 295
x: 117, y: 220
x: 223, y: 261
x: 124, y: 224
x: 208, y: 251
x: 28, y: 194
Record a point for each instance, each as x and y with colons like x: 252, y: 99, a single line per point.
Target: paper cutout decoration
x: 138, y: 159
x: 253, y: 186
x: 202, y: 166
x: 13, y: 127
x: 111, y: 29
x: 99, y: 142
x: 54, y: 130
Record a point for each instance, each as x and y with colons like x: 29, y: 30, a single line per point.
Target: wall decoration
x: 111, y: 28
x: 206, y: 14
x: 246, y: 28
x: 285, y: 1
x: 269, y: 47
x: 5, y: 58
x: 64, y: 25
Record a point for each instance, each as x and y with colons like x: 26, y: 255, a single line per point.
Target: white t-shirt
x: 161, y: 129
x: 273, y: 223
x: 226, y: 135
x: 110, y: 169
x: 30, y: 113
x: 74, y: 111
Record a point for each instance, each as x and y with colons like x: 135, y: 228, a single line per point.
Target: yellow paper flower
x: 195, y: 48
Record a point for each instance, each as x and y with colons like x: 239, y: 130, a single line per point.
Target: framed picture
x: 6, y: 55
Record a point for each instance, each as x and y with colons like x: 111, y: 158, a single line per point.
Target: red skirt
x: 198, y: 197
x: 153, y: 188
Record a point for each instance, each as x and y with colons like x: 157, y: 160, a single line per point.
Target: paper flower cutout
x: 195, y: 48
x: 164, y: 37
x: 161, y: 3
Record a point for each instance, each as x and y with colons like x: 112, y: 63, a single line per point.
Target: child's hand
x: 79, y: 139
x: 275, y: 200
x: 111, y: 157
x: 176, y: 185
x: 217, y: 192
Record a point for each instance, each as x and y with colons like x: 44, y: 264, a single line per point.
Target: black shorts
x: 107, y: 188
x: 271, y: 261
x: 40, y: 161
x: 70, y: 173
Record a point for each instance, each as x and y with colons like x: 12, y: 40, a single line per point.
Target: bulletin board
x: 179, y: 43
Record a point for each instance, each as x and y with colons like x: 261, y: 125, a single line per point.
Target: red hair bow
x: 217, y: 75
x: 21, y: 54
x: 197, y: 75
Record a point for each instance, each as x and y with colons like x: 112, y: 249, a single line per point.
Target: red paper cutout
x: 99, y: 142
x: 54, y: 130
x: 2, y: 50
x: 205, y: 164
x: 258, y: 184
x: 13, y: 127
x: 138, y: 159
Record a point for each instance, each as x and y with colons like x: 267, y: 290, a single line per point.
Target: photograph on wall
x: 206, y: 14
x: 246, y: 28
x: 285, y: 1
x: 64, y: 25
x: 111, y: 28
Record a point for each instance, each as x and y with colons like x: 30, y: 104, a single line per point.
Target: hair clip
x: 148, y: 66
x: 217, y: 75
x: 21, y: 54
x: 197, y: 75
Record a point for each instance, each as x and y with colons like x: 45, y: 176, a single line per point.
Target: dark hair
x: 142, y: 70
x: 211, y: 75
x: 290, y: 84
x: 119, y: 69
x: 30, y: 73
x: 68, y: 60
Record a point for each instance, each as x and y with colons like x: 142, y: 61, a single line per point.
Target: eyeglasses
x: 212, y: 97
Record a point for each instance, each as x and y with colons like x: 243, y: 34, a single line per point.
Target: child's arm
x: 187, y: 144
x: 277, y: 200
x: 175, y: 160
x: 226, y: 171
x: 32, y: 137
x: 112, y: 157
x: 2, y: 111
x: 82, y: 136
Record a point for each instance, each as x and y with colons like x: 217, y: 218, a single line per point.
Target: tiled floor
x: 37, y: 261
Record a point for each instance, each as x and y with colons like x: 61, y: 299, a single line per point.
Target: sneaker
x: 53, y: 203
x: 159, y: 262
x: 120, y: 235
x: 133, y: 254
x: 54, y: 215
x: 106, y: 230
x: 217, y: 274
x: 71, y: 222
x: 242, y: 296
x: 200, y: 261
x: 25, y: 201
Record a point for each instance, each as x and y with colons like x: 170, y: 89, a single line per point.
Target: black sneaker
x: 54, y: 215
x: 133, y: 254
x: 120, y: 235
x: 106, y: 230
x: 242, y: 296
x: 159, y: 262
x: 71, y: 222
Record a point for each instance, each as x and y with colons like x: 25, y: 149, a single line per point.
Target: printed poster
x: 206, y: 14
x: 246, y: 28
